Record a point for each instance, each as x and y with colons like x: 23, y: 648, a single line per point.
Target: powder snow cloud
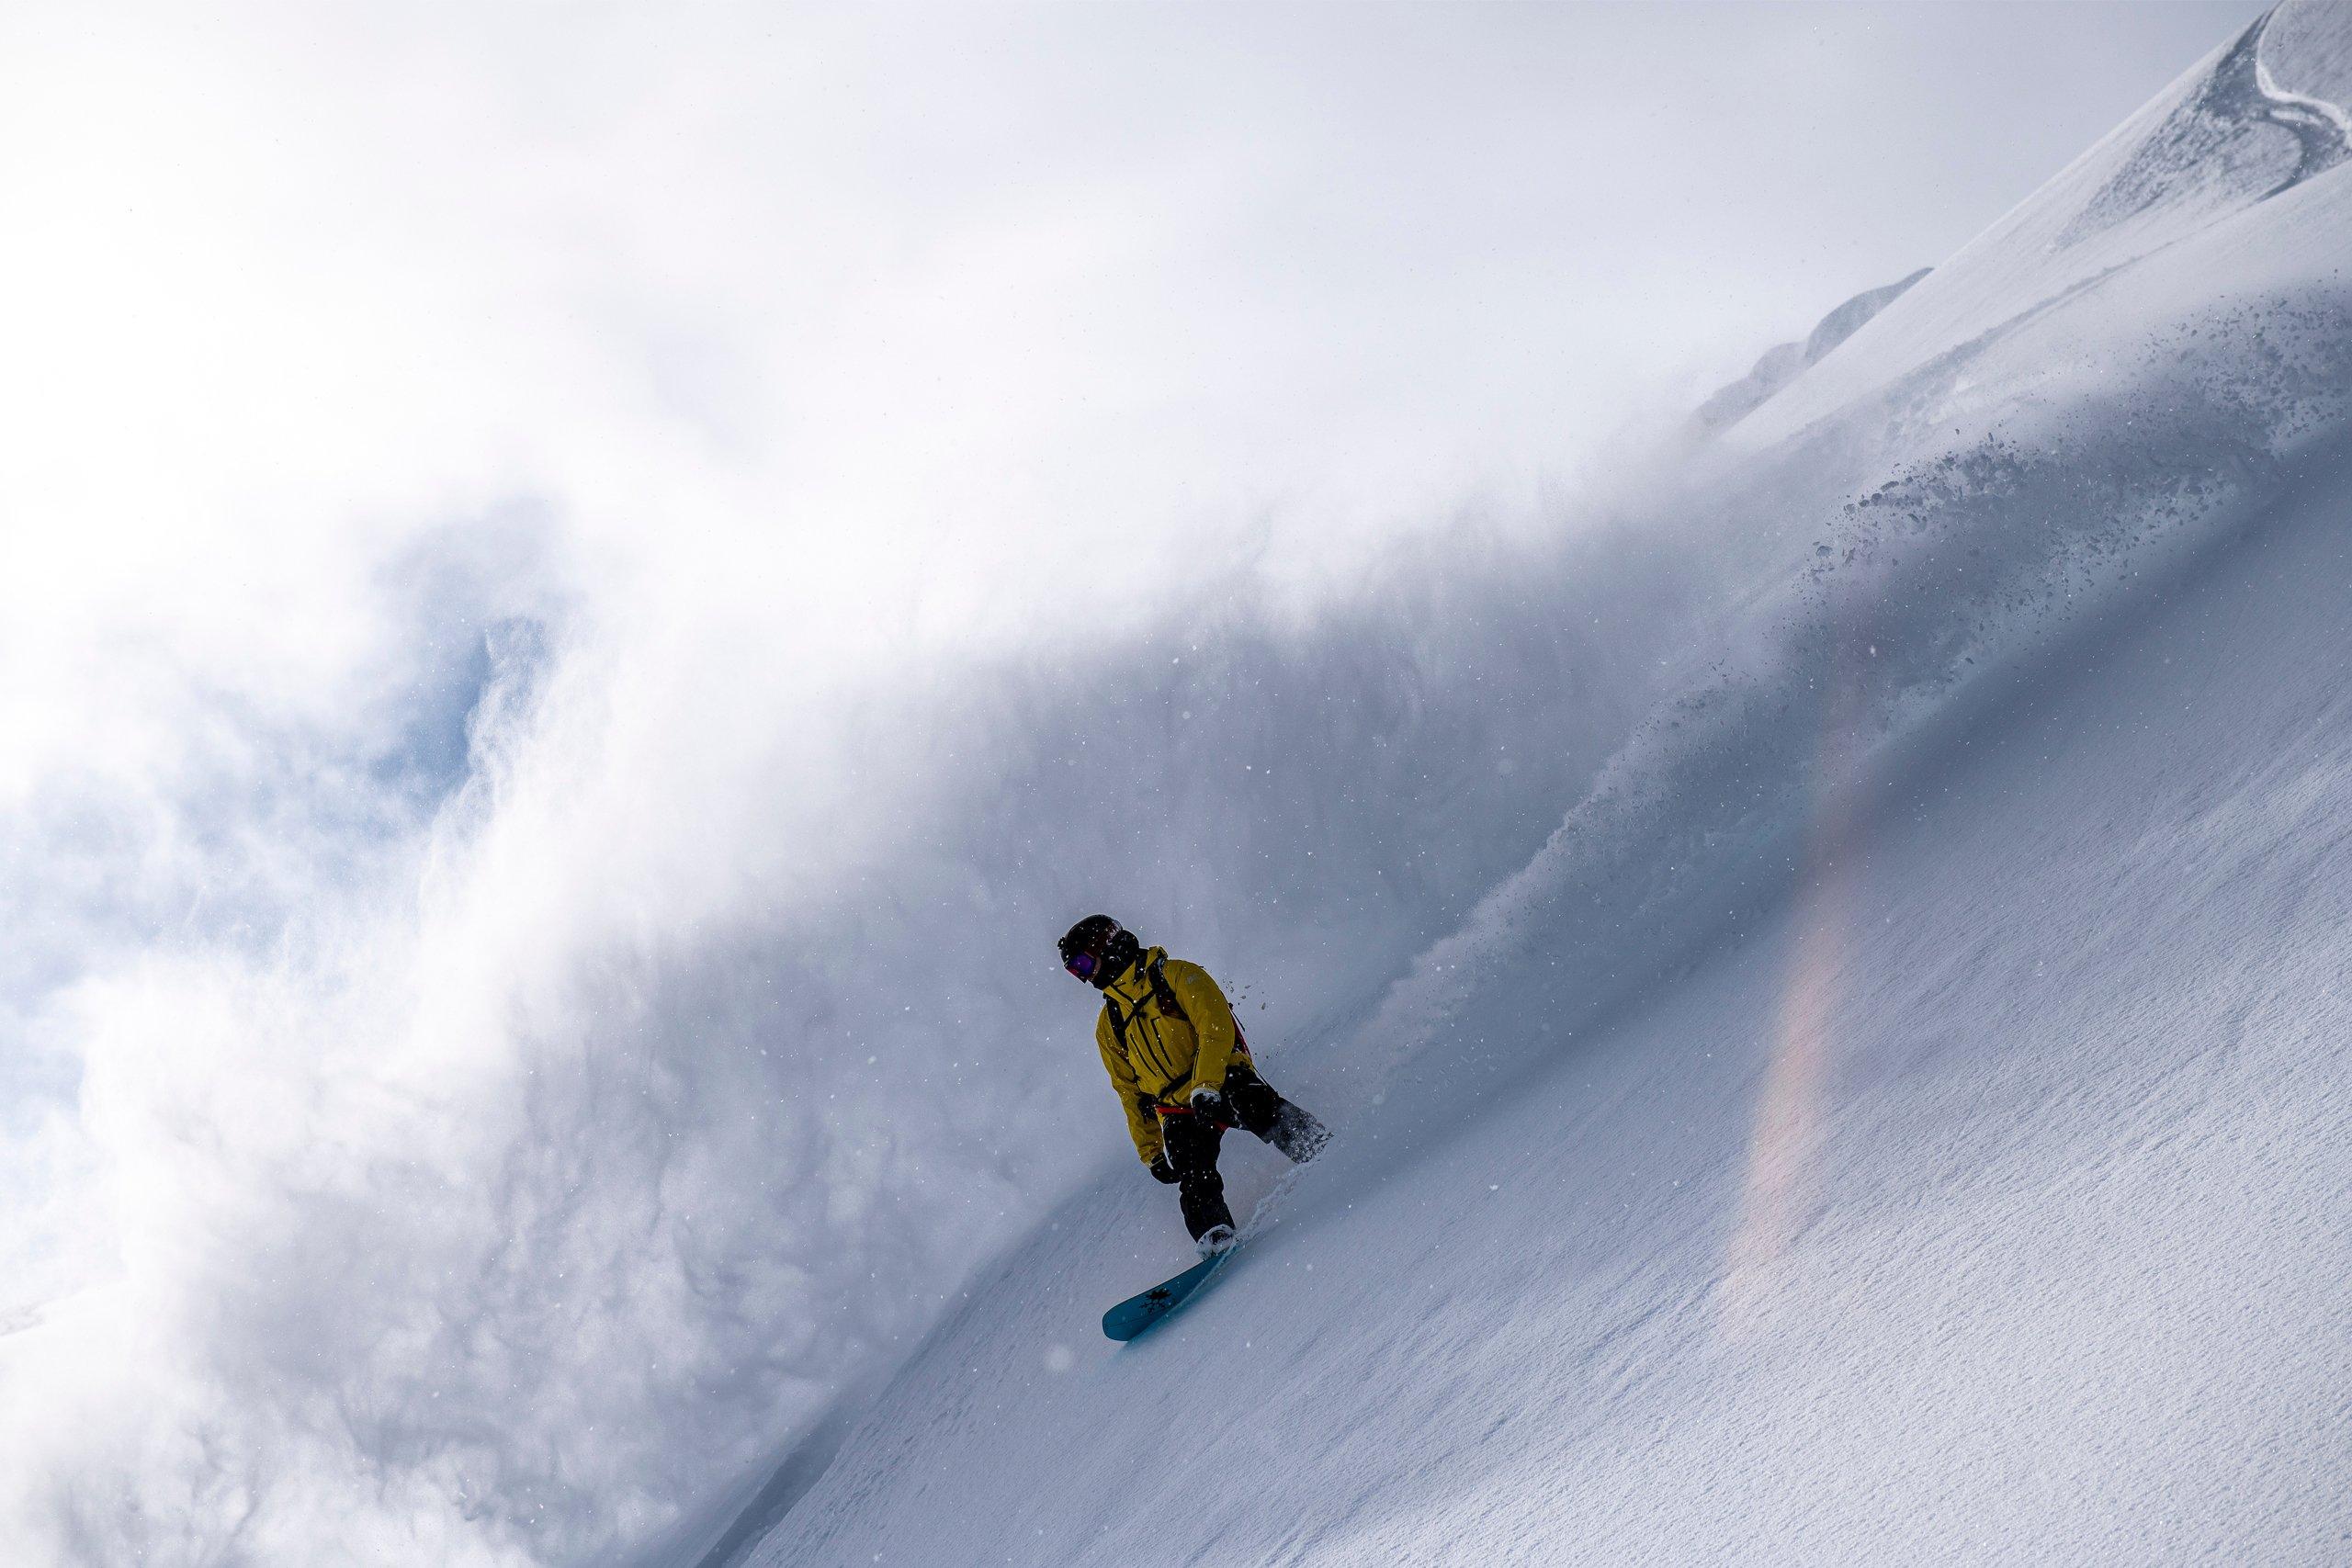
x: 581, y: 600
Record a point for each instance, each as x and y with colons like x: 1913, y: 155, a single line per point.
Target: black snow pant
x: 1192, y: 1142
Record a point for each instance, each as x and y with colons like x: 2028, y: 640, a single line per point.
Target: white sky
x: 1026, y: 267
x: 910, y: 306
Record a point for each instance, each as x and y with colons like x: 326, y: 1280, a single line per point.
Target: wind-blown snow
x: 599, y: 1151
x: 1899, y: 1115
x: 2059, y: 1280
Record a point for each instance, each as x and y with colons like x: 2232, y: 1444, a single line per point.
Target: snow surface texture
x: 1902, y: 1113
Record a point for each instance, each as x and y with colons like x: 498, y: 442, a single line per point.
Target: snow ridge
x: 1783, y: 363
x: 2215, y: 143
x: 2220, y: 140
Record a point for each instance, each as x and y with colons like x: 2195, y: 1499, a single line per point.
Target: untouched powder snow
x: 1904, y: 1113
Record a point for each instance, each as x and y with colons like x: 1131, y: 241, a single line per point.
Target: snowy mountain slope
x: 2033, y: 1255
x: 1898, y: 1113
x: 2237, y: 129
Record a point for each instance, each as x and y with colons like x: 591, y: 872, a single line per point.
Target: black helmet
x: 1098, y: 950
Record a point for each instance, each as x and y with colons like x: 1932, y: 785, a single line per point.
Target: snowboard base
x: 1138, y: 1313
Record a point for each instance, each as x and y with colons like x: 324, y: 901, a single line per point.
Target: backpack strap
x: 1161, y: 992
x: 1165, y: 995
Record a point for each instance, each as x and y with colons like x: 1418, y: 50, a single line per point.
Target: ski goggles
x: 1081, y: 964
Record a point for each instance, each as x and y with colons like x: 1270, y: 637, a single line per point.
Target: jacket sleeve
x: 1212, y: 1020
x: 1143, y: 1125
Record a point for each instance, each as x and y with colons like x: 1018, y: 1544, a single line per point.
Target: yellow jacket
x: 1166, y: 1055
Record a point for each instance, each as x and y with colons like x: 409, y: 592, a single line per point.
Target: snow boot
x: 1216, y: 1240
x: 1298, y: 1134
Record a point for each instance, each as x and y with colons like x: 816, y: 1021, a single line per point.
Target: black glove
x: 1210, y: 1103
x: 1161, y: 1170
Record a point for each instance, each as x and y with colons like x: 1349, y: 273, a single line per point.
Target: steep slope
x: 1898, y: 1113
x: 1982, y: 1205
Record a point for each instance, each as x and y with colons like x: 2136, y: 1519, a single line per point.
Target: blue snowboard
x: 1135, y: 1314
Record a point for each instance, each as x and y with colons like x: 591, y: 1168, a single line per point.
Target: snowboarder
x: 1176, y: 1054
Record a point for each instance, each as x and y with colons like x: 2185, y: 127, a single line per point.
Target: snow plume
x: 552, y: 1116
x: 532, y: 836
x: 1937, y: 574
x: 1956, y: 523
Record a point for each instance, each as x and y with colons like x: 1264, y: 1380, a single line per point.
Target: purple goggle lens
x: 1080, y: 965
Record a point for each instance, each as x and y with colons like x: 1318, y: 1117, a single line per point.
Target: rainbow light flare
x: 1778, y: 1195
